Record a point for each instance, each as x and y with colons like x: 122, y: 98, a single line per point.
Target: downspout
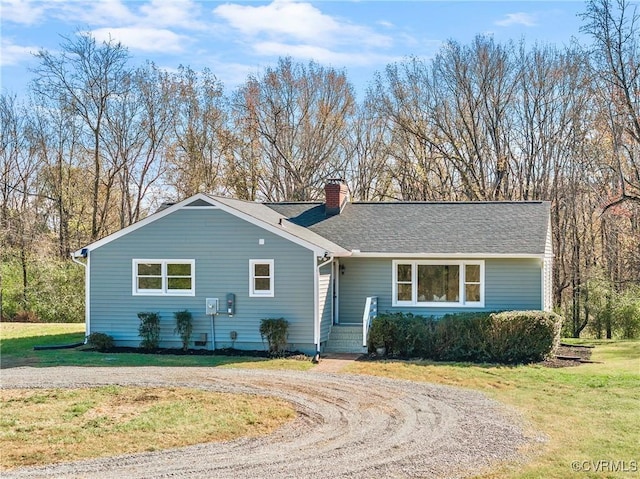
x: 86, y: 292
x: 317, y: 315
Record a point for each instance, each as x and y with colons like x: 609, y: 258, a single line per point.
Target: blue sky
x: 238, y: 38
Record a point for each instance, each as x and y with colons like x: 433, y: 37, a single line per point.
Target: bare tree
x: 367, y: 166
x: 615, y: 28
x: 85, y: 77
x: 300, y: 114
x: 198, y: 147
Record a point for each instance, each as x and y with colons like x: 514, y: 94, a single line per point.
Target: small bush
x: 101, y: 342
x: 149, y: 330
x: 274, y: 330
x: 26, y: 317
x: 184, y: 327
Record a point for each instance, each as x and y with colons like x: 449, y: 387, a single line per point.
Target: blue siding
x: 221, y: 246
x: 509, y: 284
x: 325, y: 292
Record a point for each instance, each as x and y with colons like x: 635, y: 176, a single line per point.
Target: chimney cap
x: 335, y: 180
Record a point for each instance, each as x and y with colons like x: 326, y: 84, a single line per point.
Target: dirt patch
x: 13, y: 362
x: 348, y: 426
x: 568, y: 356
x: 334, y: 363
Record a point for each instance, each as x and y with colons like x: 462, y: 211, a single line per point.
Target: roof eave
x: 400, y: 254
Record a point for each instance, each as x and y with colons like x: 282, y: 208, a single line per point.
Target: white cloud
x: 12, y: 54
x: 174, y: 13
x: 143, y: 39
x: 302, y: 22
x: 102, y: 12
x: 23, y: 12
x: 519, y: 18
x: 386, y: 24
x: 320, y: 54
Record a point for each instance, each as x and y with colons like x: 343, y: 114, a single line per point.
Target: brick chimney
x: 336, y: 195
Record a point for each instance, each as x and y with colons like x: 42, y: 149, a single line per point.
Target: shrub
x: 100, y: 341
x: 626, y: 313
x: 384, y: 333
x: 462, y: 337
x: 184, y: 327
x: 509, y: 337
x: 274, y: 330
x: 523, y: 336
x: 401, y: 334
x: 26, y: 317
x: 149, y: 330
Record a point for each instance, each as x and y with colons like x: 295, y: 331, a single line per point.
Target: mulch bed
x: 203, y: 352
x: 569, y: 356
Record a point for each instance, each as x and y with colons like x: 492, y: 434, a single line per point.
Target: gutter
x: 316, y: 315
x: 85, y: 254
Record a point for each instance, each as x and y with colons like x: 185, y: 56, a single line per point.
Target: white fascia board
x: 357, y: 254
x: 149, y: 219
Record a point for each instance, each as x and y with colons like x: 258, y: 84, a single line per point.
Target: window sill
x: 437, y: 305
x: 259, y: 295
x: 161, y: 293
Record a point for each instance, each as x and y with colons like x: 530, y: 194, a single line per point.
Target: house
x: 324, y: 267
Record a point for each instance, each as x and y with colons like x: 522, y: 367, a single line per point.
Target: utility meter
x: 212, y: 306
x: 231, y: 304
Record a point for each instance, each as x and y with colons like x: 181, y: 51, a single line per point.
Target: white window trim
x: 164, y: 291
x: 436, y: 304
x: 270, y: 293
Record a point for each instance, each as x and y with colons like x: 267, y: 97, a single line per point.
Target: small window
x: 163, y: 277
x: 472, y: 283
x: 404, y: 283
x: 261, y: 278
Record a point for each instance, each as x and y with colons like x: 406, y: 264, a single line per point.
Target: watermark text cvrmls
x: 605, y: 465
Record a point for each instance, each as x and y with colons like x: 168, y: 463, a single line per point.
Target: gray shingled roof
x: 502, y: 228
x: 264, y: 214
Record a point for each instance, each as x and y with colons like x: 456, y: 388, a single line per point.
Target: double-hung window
x: 438, y: 283
x: 261, y: 278
x: 155, y: 277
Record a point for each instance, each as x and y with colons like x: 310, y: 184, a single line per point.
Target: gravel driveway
x: 348, y: 426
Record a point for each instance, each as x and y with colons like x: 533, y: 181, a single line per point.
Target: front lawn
x: 46, y: 426
x: 589, y: 413
x: 18, y: 339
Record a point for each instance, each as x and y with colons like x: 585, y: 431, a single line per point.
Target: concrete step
x: 344, y: 349
x: 345, y: 339
x: 344, y: 343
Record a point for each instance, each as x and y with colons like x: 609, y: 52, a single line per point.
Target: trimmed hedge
x: 507, y: 337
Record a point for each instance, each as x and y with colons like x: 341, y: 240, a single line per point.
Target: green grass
x: 588, y: 413
x: 46, y: 426
x: 18, y: 339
